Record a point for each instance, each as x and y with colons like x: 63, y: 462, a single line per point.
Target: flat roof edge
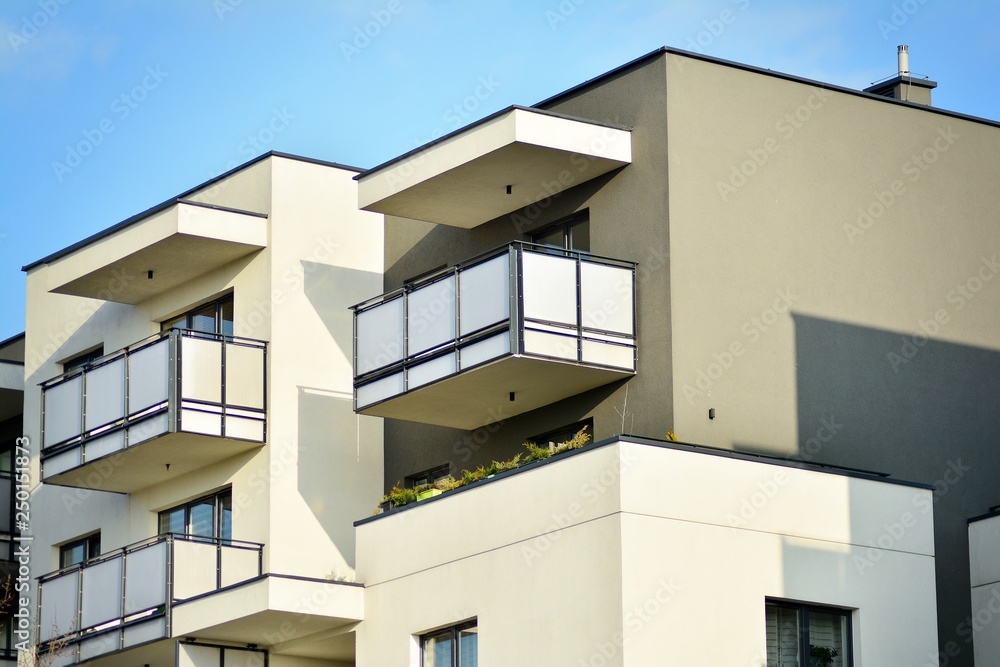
x: 465, y: 128
x: 169, y: 202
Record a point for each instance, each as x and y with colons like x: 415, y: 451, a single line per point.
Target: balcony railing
x: 124, y: 598
x: 520, y: 300
x: 178, y: 381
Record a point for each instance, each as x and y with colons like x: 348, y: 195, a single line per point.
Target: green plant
x: 399, y: 496
x: 823, y: 655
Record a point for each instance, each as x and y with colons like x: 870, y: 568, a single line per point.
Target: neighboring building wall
x: 639, y: 554
x: 983, y: 626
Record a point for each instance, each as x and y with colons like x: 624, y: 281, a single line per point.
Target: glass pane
x: 826, y: 639
x: 101, y: 597
x: 203, y: 518
x: 579, y: 236
x: 201, y: 369
x: 380, y: 336
x: 239, y: 564
x: 782, y: 626
x: 58, y: 608
x: 226, y: 317
x: 438, y: 650
x: 468, y: 647
x: 195, y: 568
x: 203, y: 319
x: 484, y: 291
x: 6, y: 456
x: 176, y: 323
x: 6, y: 486
x: 606, y: 293
x: 549, y: 285
x: 146, y: 578
x: 226, y: 518
x: 72, y: 554
x: 172, y: 521
x: 430, y: 319
x: 148, y: 373
x: 555, y: 238
x: 105, y: 394
x: 63, y: 411
x: 245, y: 376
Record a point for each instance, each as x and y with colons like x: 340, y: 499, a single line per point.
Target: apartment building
x: 813, y: 279
x: 792, y: 276
x: 191, y: 414
x: 11, y: 428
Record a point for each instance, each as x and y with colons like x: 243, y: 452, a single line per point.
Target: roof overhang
x: 177, y: 243
x: 462, y: 179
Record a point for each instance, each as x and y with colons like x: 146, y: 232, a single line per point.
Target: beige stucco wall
x: 322, y: 467
x: 632, y: 554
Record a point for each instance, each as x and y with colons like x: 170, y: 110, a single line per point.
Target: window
x: 215, y: 317
x: 83, y: 359
x: 564, y: 434
x: 431, y: 476
x: 210, y: 517
x: 80, y: 551
x: 571, y: 234
x: 800, y: 634
x: 457, y: 646
x: 7, y: 503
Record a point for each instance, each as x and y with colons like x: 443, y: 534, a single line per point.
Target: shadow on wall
x: 920, y: 409
x: 332, y: 290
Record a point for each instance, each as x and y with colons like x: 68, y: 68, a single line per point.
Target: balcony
x: 120, y: 606
x: 125, y: 598
x: 497, y: 165
x: 500, y: 334
x: 169, y: 404
x: 155, y: 251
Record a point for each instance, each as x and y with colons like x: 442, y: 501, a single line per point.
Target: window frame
x: 218, y: 525
x: 185, y: 320
x: 547, y: 438
x: 429, y: 476
x: 82, y: 359
x: 803, y: 610
x: 91, y: 549
x: 566, y: 225
x: 455, y: 633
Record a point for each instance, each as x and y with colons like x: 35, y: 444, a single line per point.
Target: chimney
x: 904, y: 85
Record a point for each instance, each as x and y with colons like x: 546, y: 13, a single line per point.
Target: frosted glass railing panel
x: 59, y: 606
x: 143, y: 632
x: 63, y: 411
x: 146, y: 578
x: 484, y: 350
x: 607, y: 354
x: 549, y: 288
x: 104, y: 445
x: 236, y: 657
x: 151, y: 365
x: 101, y: 593
x: 430, y: 319
x: 194, y: 655
x: 105, y: 394
x: 201, y: 369
x: 380, y: 389
x: 194, y: 568
x: 239, y: 564
x: 550, y: 345
x: 606, y: 293
x: 379, y: 336
x: 484, y: 291
x: 429, y: 371
x: 91, y: 648
x: 245, y: 376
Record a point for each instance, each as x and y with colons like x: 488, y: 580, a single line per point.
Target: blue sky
x: 161, y: 96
